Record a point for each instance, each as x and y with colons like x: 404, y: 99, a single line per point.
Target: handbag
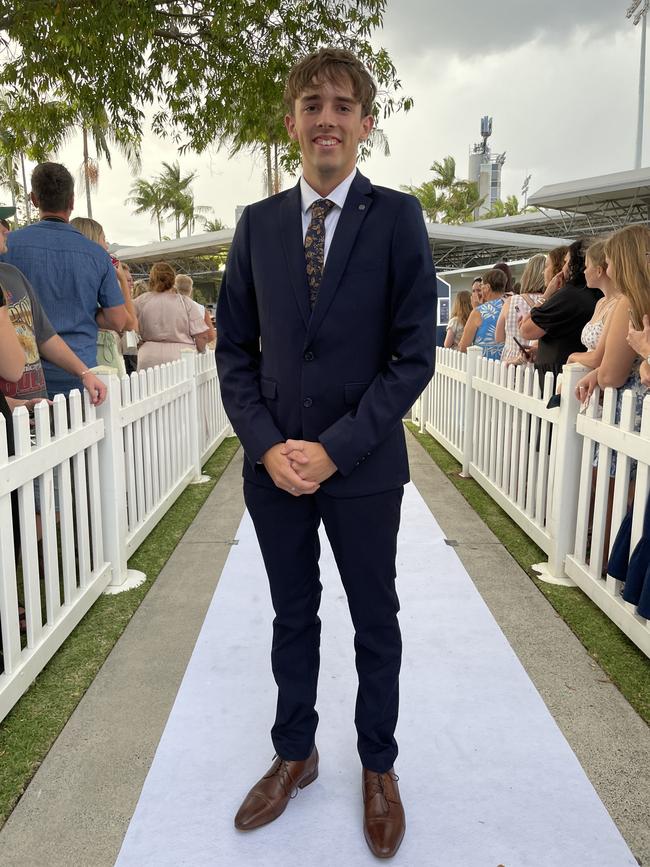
x: 129, y: 342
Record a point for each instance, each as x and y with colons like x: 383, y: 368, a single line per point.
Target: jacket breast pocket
x: 354, y: 391
x: 268, y: 388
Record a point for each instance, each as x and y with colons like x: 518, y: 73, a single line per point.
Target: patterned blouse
x: 520, y: 306
x: 457, y: 327
x: 485, y: 336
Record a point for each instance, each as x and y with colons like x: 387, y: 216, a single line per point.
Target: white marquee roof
x: 624, y: 189
x: 453, y: 246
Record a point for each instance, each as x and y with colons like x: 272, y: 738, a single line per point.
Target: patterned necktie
x: 315, y: 246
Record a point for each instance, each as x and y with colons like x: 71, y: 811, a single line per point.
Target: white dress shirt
x: 338, y: 196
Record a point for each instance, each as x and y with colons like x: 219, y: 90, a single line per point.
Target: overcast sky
x: 559, y: 79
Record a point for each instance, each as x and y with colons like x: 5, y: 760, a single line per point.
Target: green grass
x: 32, y: 726
x: 622, y: 661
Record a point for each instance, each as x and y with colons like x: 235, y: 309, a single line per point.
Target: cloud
x: 471, y: 28
x: 559, y: 79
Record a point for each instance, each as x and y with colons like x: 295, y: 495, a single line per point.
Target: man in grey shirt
x: 37, y: 337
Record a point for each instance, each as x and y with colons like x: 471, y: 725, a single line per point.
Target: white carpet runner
x: 486, y: 776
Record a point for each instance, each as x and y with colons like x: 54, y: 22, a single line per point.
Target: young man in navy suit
x: 326, y: 324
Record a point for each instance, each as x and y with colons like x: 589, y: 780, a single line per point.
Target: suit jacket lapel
x: 357, y: 204
x: 294, y: 250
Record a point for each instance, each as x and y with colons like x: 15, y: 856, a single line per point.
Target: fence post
x: 564, y: 505
x: 191, y: 371
x: 473, y: 355
x: 112, y: 486
x: 424, y: 400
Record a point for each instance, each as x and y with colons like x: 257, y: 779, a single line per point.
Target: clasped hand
x: 298, y: 466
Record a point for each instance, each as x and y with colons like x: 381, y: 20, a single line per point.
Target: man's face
x: 328, y: 126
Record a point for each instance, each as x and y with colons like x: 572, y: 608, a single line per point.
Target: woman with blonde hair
x: 595, y: 331
x: 459, y: 315
x: 109, y: 347
x: 518, y: 306
x: 626, y: 255
x: 169, y: 322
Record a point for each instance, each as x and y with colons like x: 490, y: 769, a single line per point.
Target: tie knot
x: 321, y: 208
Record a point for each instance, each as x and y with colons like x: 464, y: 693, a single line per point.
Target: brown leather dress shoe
x: 384, y: 822
x: 269, y: 797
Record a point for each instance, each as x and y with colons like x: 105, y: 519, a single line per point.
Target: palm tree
x: 446, y: 174
x: 104, y: 137
x: 148, y: 198
x: 445, y: 198
x: 28, y: 136
x: 190, y: 212
x: 433, y: 202
x: 213, y: 225
x: 509, y: 208
x: 175, y: 190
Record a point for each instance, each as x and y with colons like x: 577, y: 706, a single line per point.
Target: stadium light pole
x: 638, y: 11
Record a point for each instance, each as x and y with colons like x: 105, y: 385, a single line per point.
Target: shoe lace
x: 282, y: 771
x: 376, y: 786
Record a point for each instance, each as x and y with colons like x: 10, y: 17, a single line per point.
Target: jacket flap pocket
x: 268, y: 388
x: 354, y: 391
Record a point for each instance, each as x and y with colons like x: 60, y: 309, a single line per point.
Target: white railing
x: 56, y: 589
x: 105, y: 478
x: 586, y: 565
x: 537, y: 463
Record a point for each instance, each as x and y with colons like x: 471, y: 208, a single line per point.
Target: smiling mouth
x: 326, y: 142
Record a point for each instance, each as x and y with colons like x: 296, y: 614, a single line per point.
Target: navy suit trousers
x: 363, y: 534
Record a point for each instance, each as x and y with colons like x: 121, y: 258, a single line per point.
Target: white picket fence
x: 538, y: 464
x: 117, y: 469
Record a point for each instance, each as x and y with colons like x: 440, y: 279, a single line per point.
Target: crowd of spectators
x: 587, y: 304
x: 73, y: 305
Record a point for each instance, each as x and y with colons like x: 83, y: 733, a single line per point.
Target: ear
x: 290, y: 124
x: 32, y: 198
x: 367, y: 124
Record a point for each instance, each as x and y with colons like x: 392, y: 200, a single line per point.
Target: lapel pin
x: 362, y: 207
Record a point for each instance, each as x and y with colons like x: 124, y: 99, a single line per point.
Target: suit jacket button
x: 307, y: 402
x: 308, y: 356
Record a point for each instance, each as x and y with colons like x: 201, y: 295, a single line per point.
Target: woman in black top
x: 565, y: 308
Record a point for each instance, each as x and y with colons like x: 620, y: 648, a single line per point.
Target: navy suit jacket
x: 346, y: 373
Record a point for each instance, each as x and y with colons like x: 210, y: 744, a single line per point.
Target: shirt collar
x: 338, y: 195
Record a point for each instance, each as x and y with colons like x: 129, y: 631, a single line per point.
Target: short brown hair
x: 334, y: 65
x: 496, y: 280
x: 161, y: 277
x: 53, y: 187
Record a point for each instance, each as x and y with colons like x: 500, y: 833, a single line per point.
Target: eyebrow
x: 315, y: 96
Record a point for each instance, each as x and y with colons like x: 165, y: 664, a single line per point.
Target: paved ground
x: 77, y: 808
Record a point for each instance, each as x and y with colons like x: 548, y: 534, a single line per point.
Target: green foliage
x: 445, y: 198
x: 216, y: 67
x: 168, y: 195
x: 509, y: 208
x: 213, y: 225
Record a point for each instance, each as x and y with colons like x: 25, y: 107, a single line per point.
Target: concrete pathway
x: 78, y: 806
